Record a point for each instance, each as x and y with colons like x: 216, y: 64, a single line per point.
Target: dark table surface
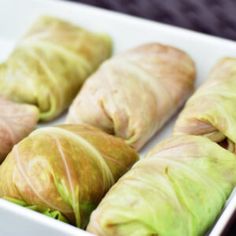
x: 215, y: 17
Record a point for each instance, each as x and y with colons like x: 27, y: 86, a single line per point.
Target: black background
x: 215, y: 17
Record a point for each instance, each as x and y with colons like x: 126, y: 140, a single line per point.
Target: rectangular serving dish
x: 16, y: 16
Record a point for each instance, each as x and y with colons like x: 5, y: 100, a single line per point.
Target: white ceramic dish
x: 126, y: 31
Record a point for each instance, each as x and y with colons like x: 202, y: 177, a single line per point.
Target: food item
x: 16, y: 122
x: 133, y: 94
x: 50, y: 63
x: 178, y: 189
x: 65, y: 169
x: 210, y: 111
x: 46, y: 211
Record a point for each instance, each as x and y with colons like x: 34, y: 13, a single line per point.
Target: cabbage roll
x: 178, y: 189
x: 50, y: 63
x: 210, y: 111
x: 64, y: 171
x: 16, y: 122
x: 133, y: 94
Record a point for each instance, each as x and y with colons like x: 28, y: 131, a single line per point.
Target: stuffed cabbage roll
x: 64, y: 171
x: 50, y: 63
x: 178, y: 189
x: 210, y: 111
x: 133, y: 94
x: 16, y: 122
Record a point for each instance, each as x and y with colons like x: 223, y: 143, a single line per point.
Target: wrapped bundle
x: 210, y: 111
x: 133, y: 94
x: 16, y: 122
x: 178, y: 189
x: 64, y: 171
x: 50, y: 63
